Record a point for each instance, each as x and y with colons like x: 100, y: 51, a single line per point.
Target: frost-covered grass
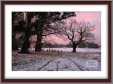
x: 52, y: 60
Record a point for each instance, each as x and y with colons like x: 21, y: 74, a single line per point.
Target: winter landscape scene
x: 56, y: 41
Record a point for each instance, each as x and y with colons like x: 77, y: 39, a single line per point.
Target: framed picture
x: 56, y: 41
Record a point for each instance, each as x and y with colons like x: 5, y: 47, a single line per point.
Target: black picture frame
x: 3, y: 3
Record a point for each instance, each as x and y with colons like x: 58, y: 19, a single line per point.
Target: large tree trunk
x: 26, y: 44
x: 74, y: 47
x: 39, y: 29
x: 39, y: 32
x: 39, y: 36
x: 27, y: 33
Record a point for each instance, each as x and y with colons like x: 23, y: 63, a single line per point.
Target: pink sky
x: 92, y: 17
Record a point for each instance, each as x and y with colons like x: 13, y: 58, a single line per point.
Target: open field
x: 57, y: 61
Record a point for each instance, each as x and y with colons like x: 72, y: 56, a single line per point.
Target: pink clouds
x: 53, y: 39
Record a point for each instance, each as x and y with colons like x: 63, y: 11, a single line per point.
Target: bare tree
x: 76, y: 32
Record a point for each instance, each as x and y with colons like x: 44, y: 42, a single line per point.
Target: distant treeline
x: 82, y: 45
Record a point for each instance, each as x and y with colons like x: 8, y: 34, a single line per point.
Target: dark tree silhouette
x: 41, y: 22
x: 27, y: 33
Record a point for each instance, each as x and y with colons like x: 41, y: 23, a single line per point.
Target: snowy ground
x: 70, y: 49
x: 58, y: 61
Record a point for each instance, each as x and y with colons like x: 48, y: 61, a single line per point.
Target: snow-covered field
x: 53, y: 60
x: 70, y: 49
